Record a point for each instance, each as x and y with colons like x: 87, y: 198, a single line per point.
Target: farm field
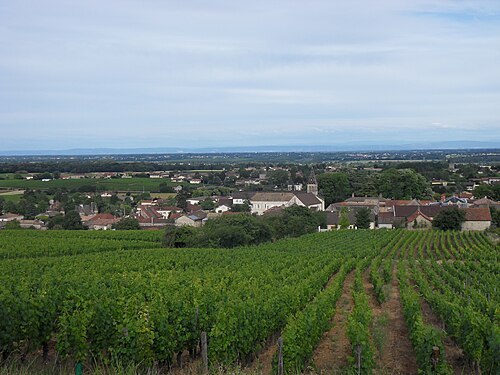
x: 102, y: 184
x: 382, y: 302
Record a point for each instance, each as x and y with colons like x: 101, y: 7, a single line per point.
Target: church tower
x: 312, y: 184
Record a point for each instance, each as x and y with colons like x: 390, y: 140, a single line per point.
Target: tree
x: 363, y: 218
x: 207, y: 204
x: 72, y: 221
x: 402, y: 184
x: 333, y: 186
x: 235, y: 230
x: 278, y: 177
x: 344, y: 222
x: 165, y: 188
x: 10, y: 206
x: 56, y: 222
x: 449, y: 219
x: 483, y: 191
x: 182, y: 197
x: 495, y: 217
x: 13, y: 224
x: 179, y: 237
x: 245, y: 207
x: 127, y: 223
x: 2, y: 202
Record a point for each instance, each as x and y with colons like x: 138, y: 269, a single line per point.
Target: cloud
x: 151, y: 73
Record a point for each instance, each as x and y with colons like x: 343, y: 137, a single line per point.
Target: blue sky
x: 198, y: 73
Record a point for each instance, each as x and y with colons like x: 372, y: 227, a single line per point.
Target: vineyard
x: 362, y: 302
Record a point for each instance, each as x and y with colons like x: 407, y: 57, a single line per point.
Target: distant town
x: 117, y: 194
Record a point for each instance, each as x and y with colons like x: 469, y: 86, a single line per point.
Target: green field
x: 12, y: 196
x: 118, y: 184
x: 116, y: 296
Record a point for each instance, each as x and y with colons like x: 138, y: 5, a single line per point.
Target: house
x: 477, y: 219
x: 263, y: 201
x: 421, y: 217
x: 101, y: 222
x: 86, y: 209
x: 32, y: 224
x: 195, y: 219
x: 333, y: 218
x: 195, y: 200
x: 10, y: 217
x: 240, y: 197
x: 166, y: 211
x: 309, y: 200
x: 222, y: 208
x: 486, y: 202
x: 418, y: 220
x: 386, y: 220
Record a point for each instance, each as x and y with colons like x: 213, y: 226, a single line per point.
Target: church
x: 261, y: 202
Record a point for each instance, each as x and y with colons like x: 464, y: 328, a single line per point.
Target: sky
x: 167, y: 73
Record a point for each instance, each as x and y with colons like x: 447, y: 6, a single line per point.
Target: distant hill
x: 444, y: 145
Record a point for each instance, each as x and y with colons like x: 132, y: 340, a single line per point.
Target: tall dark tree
x: 127, y: 223
x: 449, y: 219
x: 333, y: 186
x: 363, y: 218
x: 182, y: 197
x: 72, y: 221
x: 403, y: 184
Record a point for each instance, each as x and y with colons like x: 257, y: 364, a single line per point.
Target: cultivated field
x: 102, y: 184
x: 384, y: 302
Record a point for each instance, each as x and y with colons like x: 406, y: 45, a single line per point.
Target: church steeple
x: 312, y: 184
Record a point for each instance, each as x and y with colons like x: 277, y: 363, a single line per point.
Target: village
x: 181, y: 208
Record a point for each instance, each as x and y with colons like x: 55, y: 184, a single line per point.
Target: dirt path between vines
x: 331, y: 353
x: 396, y: 354
x: 454, y: 355
x: 263, y: 362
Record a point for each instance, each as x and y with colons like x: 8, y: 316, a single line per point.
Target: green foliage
x: 207, y: 204
x: 449, y: 219
x: 334, y: 187
x: 181, y: 198
x: 245, y: 207
x: 234, y: 230
x: 278, y: 177
x: 127, y: 223
x: 423, y: 337
x: 117, y: 297
x: 495, y: 217
x: 180, y: 237
x: 358, y: 329
x: 304, y: 330
x: 402, y: 184
x: 72, y: 221
x: 295, y: 221
x: 344, y: 222
x: 363, y: 218
x: 13, y: 224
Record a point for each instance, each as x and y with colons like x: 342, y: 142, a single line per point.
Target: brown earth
x: 454, y: 355
x: 263, y: 362
x: 396, y: 355
x: 331, y: 353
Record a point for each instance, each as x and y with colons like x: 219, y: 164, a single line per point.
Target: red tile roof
x: 477, y: 214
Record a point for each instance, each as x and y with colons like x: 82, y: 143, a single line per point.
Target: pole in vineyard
x: 280, y: 356
x: 204, y: 352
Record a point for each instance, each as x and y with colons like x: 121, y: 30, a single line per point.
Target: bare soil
x: 454, y: 355
x: 397, y: 355
x: 330, y: 356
